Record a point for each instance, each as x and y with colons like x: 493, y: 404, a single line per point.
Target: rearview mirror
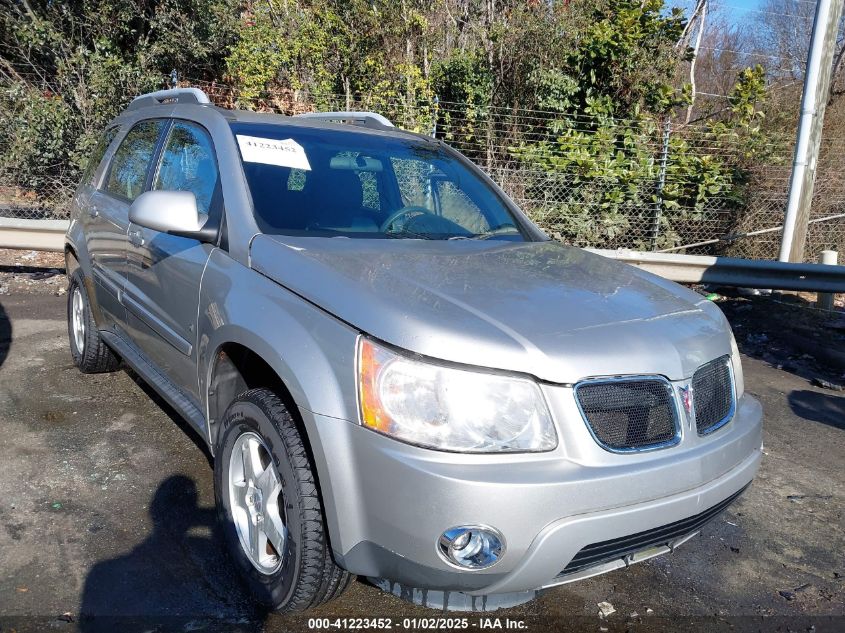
x: 356, y: 163
x: 173, y: 212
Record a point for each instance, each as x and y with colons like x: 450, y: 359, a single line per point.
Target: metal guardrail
x: 48, y: 235
x: 36, y: 235
x: 730, y: 271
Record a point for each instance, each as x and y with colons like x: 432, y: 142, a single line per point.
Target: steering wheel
x: 412, y: 210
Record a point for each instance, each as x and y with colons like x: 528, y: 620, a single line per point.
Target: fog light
x: 471, y: 546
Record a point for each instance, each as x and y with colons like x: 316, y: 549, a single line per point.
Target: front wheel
x: 269, y: 506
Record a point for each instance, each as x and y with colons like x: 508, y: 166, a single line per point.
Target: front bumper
x: 387, y: 502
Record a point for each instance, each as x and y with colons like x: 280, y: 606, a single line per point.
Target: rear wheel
x: 88, y: 349
x: 270, y: 508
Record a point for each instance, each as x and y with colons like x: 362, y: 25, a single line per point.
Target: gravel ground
x: 107, y: 521
x: 32, y: 272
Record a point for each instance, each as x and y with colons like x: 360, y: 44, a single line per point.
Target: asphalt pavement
x: 107, y: 520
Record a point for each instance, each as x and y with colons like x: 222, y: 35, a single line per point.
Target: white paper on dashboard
x: 286, y: 153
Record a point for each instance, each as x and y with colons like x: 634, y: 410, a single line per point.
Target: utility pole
x: 816, y: 88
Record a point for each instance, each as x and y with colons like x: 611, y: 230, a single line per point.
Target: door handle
x: 135, y: 238
x: 93, y: 211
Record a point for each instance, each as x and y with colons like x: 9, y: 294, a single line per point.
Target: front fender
x: 312, y: 352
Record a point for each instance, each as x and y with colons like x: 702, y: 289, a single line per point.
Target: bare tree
x: 781, y: 36
x: 700, y: 17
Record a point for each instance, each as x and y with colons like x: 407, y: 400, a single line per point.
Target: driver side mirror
x: 173, y: 212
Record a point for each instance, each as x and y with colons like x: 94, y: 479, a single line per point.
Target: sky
x: 744, y: 5
x: 740, y: 8
x: 749, y: 9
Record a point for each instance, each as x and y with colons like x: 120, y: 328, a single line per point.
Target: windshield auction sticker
x: 286, y: 153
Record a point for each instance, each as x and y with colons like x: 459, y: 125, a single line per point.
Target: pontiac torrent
x: 398, y: 375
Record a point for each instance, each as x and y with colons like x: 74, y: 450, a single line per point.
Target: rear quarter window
x: 97, y: 155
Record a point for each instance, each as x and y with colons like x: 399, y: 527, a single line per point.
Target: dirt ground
x: 107, y: 520
x: 32, y: 272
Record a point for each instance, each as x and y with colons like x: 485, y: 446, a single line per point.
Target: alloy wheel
x: 77, y: 312
x: 254, y: 492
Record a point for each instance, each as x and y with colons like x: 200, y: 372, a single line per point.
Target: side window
x: 369, y: 185
x: 97, y: 154
x: 128, y: 171
x: 296, y: 179
x: 420, y: 184
x: 188, y: 164
x: 412, y: 176
x: 456, y: 205
x: 364, y: 188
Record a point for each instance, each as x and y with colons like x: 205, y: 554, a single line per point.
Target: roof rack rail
x: 167, y: 97
x: 365, y: 119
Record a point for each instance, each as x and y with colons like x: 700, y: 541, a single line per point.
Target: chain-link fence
x: 589, y: 181
x: 49, y: 201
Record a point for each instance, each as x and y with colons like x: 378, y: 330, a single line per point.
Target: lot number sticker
x: 287, y: 153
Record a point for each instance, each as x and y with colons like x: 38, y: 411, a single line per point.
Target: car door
x: 86, y: 211
x: 106, y: 216
x: 164, y: 271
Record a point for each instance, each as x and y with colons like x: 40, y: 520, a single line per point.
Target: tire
x: 90, y: 353
x: 299, y: 572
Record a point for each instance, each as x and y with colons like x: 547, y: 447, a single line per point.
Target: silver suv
x: 399, y: 376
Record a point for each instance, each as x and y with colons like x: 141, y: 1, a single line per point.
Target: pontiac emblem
x: 686, y: 398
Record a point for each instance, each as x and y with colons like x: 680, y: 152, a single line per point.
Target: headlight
x: 739, y: 379
x: 450, y: 409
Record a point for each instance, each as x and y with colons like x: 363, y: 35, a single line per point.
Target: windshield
x: 308, y: 181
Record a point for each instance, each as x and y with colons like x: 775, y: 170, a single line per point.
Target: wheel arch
x: 71, y: 259
x: 236, y: 367
x: 74, y: 262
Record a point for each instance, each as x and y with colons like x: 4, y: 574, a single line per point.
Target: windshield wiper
x: 402, y: 233
x: 501, y: 229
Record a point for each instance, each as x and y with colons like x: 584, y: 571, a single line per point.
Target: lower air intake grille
x: 599, y: 553
x: 629, y: 413
x: 712, y: 395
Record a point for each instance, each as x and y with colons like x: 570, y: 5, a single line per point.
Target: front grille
x: 617, y: 548
x: 712, y: 394
x: 630, y: 413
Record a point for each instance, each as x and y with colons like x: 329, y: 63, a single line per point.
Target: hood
x: 555, y: 312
